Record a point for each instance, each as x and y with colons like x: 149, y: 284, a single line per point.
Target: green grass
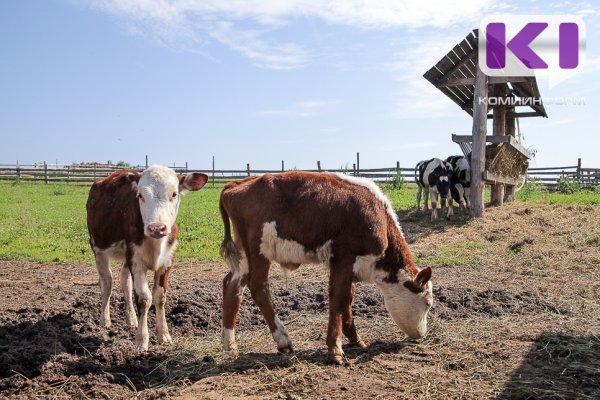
x: 545, y: 197
x: 46, y: 223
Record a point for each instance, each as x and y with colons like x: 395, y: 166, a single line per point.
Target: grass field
x: 46, y: 223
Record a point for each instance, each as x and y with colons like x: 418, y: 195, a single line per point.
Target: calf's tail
x: 228, y: 250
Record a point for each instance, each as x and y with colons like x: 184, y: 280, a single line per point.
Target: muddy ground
x: 517, y: 315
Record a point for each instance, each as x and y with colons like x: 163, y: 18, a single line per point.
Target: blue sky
x: 258, y: 82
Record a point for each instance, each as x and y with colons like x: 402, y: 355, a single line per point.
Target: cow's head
x: 444, y: 180
x: 158, y: 192
x: 409, y: 302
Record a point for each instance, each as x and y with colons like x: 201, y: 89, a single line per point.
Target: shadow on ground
x: 558, y: 366
x: 417, y: 224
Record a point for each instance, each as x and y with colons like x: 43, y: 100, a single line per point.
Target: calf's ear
x: 192, y: 182
x: 423, y: 276
x: 133, y: 177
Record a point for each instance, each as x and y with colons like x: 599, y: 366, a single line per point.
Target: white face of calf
x: 158, y: 191
x: 409, y: 303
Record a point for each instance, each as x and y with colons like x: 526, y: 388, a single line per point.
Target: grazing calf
x: 433, y: 177
x: 131, y: 217
x: 345, y: 223
x: 460, y: 183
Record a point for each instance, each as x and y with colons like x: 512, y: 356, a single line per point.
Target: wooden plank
x: 499, y: 131
x: 488, y: 139
x: 498, y: 179
x: 478, y: 152
x: 492, y: 80
x: 552, y: 168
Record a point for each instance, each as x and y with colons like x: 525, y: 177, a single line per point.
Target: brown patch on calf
x: 163, y: 281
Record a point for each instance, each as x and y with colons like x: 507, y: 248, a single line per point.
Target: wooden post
x: 357, y: 164
x: 186, y: 166
x: 45, y: 172
x: 282, y: 166
x: 68, y: 175
x: 213, y: 171
x: 146, y: 161
x: 479, y: 133
x: 319, y: 165
x: 509, y: 191
x: 94, y: 172
x: 579, y: 174
x: 499, y: 129
x: 354, y: 169
x: 18, y: 172
x: 248, y: 169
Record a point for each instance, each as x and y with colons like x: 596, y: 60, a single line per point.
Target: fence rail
x: 547, y: 176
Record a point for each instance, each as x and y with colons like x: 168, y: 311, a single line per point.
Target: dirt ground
x: 517, y: 315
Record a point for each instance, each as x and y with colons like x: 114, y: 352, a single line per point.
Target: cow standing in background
x: 131, y: 217
x: 433, y: 177
x: 343, y: 222
x: 460, y: 182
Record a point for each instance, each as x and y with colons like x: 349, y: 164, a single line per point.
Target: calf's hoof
x: 132, y: 321
x: 143, y: 346
x: 335, y: 359
x: 165, y: 339
x: 286, y: 349
x: 105, y: 323
x: 360, y: 344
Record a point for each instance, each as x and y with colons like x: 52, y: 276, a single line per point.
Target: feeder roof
x: 454, y: 75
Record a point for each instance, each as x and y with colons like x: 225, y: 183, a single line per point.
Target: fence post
x: 354, y: 169
x: 357, y: 163
x: 94, y: 172
x: 319, y: 165
x: 397, y: 169
x: 186, y: 167
x: 282, y: 166
x: 18, y: 172
x: 45, y: 172
x: 68, y: 174
x: 146, y: 161
x: 248, y: 169
x: 579, y: 174
x: 213, y: 171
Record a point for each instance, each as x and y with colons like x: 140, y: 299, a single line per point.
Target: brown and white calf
x: 131, y: 217
x: 343, y: 222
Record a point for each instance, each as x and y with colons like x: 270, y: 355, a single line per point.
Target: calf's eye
x: 174, y: 195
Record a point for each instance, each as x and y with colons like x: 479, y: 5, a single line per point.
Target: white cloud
x: 249, y: 44
x: 188, y: 24
x: 416, y: 97
x: 303, y: 109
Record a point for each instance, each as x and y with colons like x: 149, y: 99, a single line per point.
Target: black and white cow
x: 433, y: 176
x: 460, y: 183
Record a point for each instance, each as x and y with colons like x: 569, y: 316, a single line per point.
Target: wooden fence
x: 548, y: 176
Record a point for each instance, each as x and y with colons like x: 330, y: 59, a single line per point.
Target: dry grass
x: 517, y: 316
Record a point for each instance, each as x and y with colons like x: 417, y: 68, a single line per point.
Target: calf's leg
x: 233, y: 293
x: 259, y: 289
x: 127, y: 287
x: 419, y: 191
x: 426, y: 199
x: 103, y: 267
x: 159, y: 296
x: 144, y: 299
x: 348, y: 326
x: 340, y: 301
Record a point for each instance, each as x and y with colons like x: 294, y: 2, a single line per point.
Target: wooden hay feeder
x: 504, y: 162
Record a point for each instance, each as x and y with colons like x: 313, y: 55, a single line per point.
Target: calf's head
x: 158, y: 192
x: 409, y: 302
